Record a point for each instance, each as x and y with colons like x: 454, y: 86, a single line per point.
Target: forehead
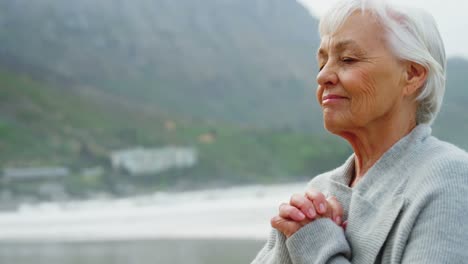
x: 359, y: 31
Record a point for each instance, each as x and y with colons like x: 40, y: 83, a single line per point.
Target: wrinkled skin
x: 367, y: 97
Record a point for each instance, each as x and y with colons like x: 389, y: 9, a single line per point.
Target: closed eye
x: 348, y: 60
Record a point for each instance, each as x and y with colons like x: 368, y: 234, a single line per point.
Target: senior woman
x: 400, y: 198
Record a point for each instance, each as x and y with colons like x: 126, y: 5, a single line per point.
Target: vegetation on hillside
x: 44, y: 125
x: 239, y: 61
x: 81, y: 79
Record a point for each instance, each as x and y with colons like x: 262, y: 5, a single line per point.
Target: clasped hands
x: 305, y: 208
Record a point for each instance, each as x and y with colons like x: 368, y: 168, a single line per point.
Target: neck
x: 372, y: 141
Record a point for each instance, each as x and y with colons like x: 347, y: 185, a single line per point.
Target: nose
x: 327, y: 76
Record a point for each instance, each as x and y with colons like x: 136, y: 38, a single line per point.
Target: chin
x: 334, y: 124
x: 332, y: 128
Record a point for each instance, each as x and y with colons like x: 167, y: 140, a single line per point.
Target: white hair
x: 412, y: 34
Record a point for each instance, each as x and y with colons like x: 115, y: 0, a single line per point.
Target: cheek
x: 363, y: 91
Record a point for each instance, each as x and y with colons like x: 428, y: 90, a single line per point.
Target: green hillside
x: 241, y: 61
x: 244, y: 62
x: 80, y: 79
x: 43, y: 125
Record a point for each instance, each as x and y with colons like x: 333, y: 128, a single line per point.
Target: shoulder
x: 440, y: 172
x: 436, y: 205
x: 443, y: 162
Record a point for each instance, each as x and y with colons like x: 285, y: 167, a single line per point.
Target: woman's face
x: 360, y: 80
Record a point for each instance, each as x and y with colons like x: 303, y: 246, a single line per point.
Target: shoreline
x: 239, y: 213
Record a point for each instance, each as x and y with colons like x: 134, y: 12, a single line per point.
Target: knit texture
x: 411, y: 207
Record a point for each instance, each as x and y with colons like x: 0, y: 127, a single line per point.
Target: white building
x: 146, y: 161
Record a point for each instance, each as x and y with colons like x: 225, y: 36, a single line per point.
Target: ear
x: 416, y: 76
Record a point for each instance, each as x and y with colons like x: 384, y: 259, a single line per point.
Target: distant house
x: 140, y: 161
x: 37, y: 174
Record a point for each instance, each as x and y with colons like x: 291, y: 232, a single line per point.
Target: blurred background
x: 162, y: 131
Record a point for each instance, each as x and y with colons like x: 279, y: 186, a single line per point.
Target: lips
x: 332, y: 96
x: 332, y: 99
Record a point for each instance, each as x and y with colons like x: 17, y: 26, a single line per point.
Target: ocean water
x: 209, y: 226
x: 132, y: 252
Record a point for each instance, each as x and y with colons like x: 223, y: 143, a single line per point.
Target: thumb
x: 287, y: 227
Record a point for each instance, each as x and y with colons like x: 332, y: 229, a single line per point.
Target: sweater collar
x: 389, y: 172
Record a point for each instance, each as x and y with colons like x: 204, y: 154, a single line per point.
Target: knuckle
x: 321, y: 196
x: 296, y: 199
x: 315, y: 193
x: 336, y: 206
x: 281, y: 206
x: 311, y: 194
x: 308, y: 204
x: 285, y: 212
x: 274, y: 221
x: 291, y: 210
x: 333, y: 201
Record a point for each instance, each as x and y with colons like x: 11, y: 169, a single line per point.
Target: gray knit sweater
x: 410, y: 207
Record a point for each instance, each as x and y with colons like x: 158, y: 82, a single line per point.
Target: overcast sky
x: 451, y: 16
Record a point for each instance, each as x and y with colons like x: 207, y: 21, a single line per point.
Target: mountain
x: 79, y: 79
x: 43, y: 124
x: 240, y: 61
x: 245, y: 62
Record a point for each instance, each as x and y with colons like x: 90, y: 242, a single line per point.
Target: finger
x: 288, y: 228
x: 290, y: 212
x: 318, y: 199
x: 336, y: 210
x: 344, y: 225
x: 305, y: 205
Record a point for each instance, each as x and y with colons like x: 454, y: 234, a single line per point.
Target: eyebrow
x: 340, y: 46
